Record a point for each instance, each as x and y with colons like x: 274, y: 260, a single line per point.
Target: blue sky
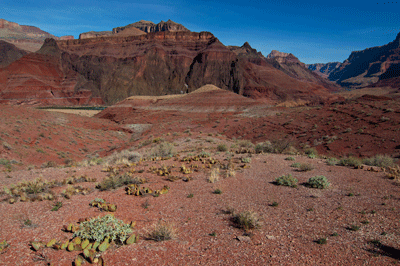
x: 314, y: 31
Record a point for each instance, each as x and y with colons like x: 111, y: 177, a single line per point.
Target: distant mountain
x: 369, y: 66
x: 28, y: 38
x: 144, y: 58
x: 324, y: 69
x: 9, y: 53
x: 148, y: 26
x: 138, y: 28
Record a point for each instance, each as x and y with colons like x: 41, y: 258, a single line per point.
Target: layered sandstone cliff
x: 40, y: 78
x: 369, y: 66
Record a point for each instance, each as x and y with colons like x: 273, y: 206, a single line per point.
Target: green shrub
x: 304, y: 167
x: 161, y: 232
x: 286, y: 180
x: 57, y: 206
x: 274, y: 204
x: 246, y: 144
x: 163, y: 149
x: 349, y: 161
x: 217, y: 191
x: 332, y: 161
x: 97, y: 229
x: 114, y: 182
x: 290, y: 159
x: 380, y: 161
x: 222, y: 147
x: 318, y: 182
x: 295, y: 165
x: 321, y: 241
x: 311, y: 153
x: 246, y: 160
x: 265, y: 147
x: 246, y: 220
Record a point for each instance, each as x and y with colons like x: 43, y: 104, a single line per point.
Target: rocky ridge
x: 369, y: 66
x: 25, y: 37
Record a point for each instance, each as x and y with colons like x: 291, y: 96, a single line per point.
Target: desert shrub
x: 304, y: 167
x: 162, y: 231
x: 214, y: 175
x: 246, y: 144
x: 222, y: 147
x: 246, y: 160
x: 290, y: 159
x: 286, y: 180
x: 311, y: 153
x: 217, y: 191
x: 246, y: 220
x: 114, y: 182
x: 349, y: 161
x: 163, y: 149
x: 380, y: 161
x: 274, y: 146
x: 264, y: 147
x: 321, y: 241
x: 281, y: 145
x: 318, y: 182
x: 123, y: 157
x: 97, y: 229
x: 332, y: 161
x: 295, y: 165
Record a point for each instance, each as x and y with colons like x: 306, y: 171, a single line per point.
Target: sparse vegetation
x: 97, y: 229
x: 349, y: 161
x: 214, y: 175
x: 57, y: 206
x: 295, y: 165
x: 286, y: 180
x: 320, y: 182
x: 123, y: 157
x: 162, y: 231
x: 380, y: 161
x: 246, y: 160
x: 321, y: 241
x: 222, y: 147
x: 163, y: 149
x: 114, y: 182
x: 217, y: 191
x: 246, y: 220
x: 305, y: 167
x: 332, y: 161
x: 290, y: 159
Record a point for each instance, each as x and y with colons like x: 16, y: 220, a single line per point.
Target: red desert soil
x: 358, y: 214
x: 205, y: 233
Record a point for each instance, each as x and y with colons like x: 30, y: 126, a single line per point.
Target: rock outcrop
x: 28, y: 38
x: 40, y: 78
x: 369, y: 66
x: 148, y: 26
x: 9, y: 53
x: 95, y: 34
x: 324, y: 69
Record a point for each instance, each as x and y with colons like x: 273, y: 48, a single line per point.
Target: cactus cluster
x: 74, y: 190
x: 92, y: 237
x: 185, y: 170
x: 38, y: 189
x: 104, y: 206
x: 134, y: 189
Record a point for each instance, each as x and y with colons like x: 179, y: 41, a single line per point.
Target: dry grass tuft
x: 162, y: 231
x: 214, y: 176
